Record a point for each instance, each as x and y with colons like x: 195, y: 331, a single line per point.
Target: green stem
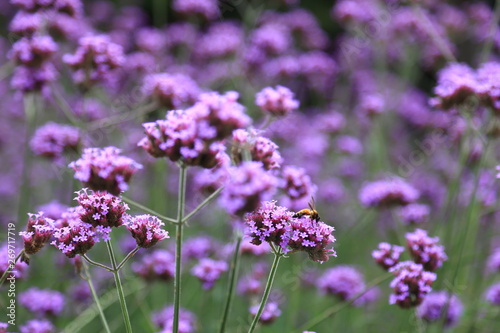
x: 160, y: 12
x: 95, y: 263
x: 149, y: 210
x: 489, y: 43
x: 129, y: 255
x: 267, y: 291
x: 122, y: 117
x: 178, y: 248
x: 232, y: 279
x: 96, y: 298
x: 119, y: 288
x: 11, y: 267
x: 335, y: 309
x: 203, y: 204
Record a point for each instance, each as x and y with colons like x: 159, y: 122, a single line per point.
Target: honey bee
x: 311, y: 211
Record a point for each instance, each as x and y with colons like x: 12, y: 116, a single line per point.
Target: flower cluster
x: 414, y: 213
x: 209, y: 271
x: 103, y: 169
x: 435, y: 303
x: 277, y: 101
x: 206, y: 9
x: 164, y: 320
x: 94, y: 58
x: 19, y: 269
x: 42, y: 302
x: 269, y: 315
x: 38, y: 326
x: 261, y: 148
x: 101, y: 208
x: 345, y: 282
x: 78, y: 238
x: 170, y: 90
x: 492, y: 294
x: 158, y: 265
x: 425, y: 250
x: 387, y: 255
x: 277, y: 225
x: 386, y: 193
x: 146, y: 229
x: 410, y: 285
x: 38, y: 232
x: 298, y: 187
x: 52, y: 140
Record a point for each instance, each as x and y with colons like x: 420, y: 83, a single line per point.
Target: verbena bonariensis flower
x: 493, y: 263
x: 349, y: 145
x: 158, y: 265
x: 456, y: 83
x: 387, y: 255
x: 28, y: 79
x: 247, y: 247
x: 101, y: 208
x: 33, y: 51
x: 94, y: 59
x: 343, y: 281
x: 79, y: 237
x: 261, y: 149
x: 38, y: 232
x: 69, y: 217
x: 492, y: 294
x: 388, y: 192
x: 277, y: 101
x: 103, y: 169
x: 53, y: 210
x: 199, y: 247
x: 19, y: 269
x: 164, y: 320
x: 206, y: 9
x: 313, y: 237
x: 246, y: 187
x: 42, y: 302
x: 410, y: 285
x: 270, y: 314
x: 209, y: 271
x: 434, y: 304
x: 171, y: 90
x: 271, y: 38
x: 489, y: 84
x: 37, y: 326
x: 52, y: 140
x: 298, y: 187
x: 414, y: 213
x: 146, y: 229
x: 425, y: 250
x: 222, y: 39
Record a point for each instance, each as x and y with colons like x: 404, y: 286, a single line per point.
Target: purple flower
x: 410, y: 285
x: 199, y: 247
x: 7, y: 255
x: 101, y: 208
x: 425, y: 250
x: 26, y: 23
x: 52, y: 140
x: 247, y: 247
x: 164, y: 320
x: 158, y: 265
x: 493, y: 263
x: 298, y: 187
x: 33, y: 51
x: 349, y: 145
x: 53, y: 210
x: 42, y: 302
x: 456, y: 83
x: 170, y: 90
x: 78, y: 238
x: 94, y: 59
x: 435, y: 303
x: 492, y: 294
x: 387, y: 255
x: 206, y: 9
x: 489, y: 85
x: 388, y: 192
x: 209, y: 271
x: 3, y: 327
x: 146, y: 229
x: 247, y: 186
x: 342, y: 281
x: 270, y: 314
x: 221, y: 40
x: 261, y: 149
x: 37, y: 326
x: 271, y: 38
x: 150, y: 40
x: 277, y: 101
x: 38, y: 232
x: 28, y: 79
x: 103, y: 169
x: 414, y: 213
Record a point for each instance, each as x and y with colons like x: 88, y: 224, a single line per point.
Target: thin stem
x: 491, y: 34
x: 267, y: 291
x: 119, y: 288
x: 335, y: 309
x: 120, y: 118
x: 178, y: 248
x: 96, y: 298
x: 95, y: 263
x: 129, y: 255
x: 203, y: 204
x: 149, y: 210
x: 11, y: 267
x: 65, y: 107
x: 232, y: 279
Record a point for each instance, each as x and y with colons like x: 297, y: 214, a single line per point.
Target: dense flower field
x: 249, y: 166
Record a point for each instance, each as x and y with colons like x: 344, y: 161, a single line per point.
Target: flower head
x: 434, y: 304
x: 170, y: 90
x: 101, y: 208
x: 277, y: 101
x: 387, y: 255
x: 19, y: 269
x: 389, y: 192
x: 342, y: 281
x: 426, y: 250
x: 414, y: 213
x: 78, y: 238
x: 456, y: 83
x: 410, y: 285
x: 38, y: 232
x: 103, y: 169
x: 146, y: 229
x: 209, y: 271
x: 43, y: 302
x: 37, y: 326
x: 52, y: 140
x: 164, y: 320
x: 270, y: 314
x: 206, y: 9
x: 33, y: 51
x: 261, y: 148
x: 492, y: 294
x: 158, y: 265
x: 493, y: 263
